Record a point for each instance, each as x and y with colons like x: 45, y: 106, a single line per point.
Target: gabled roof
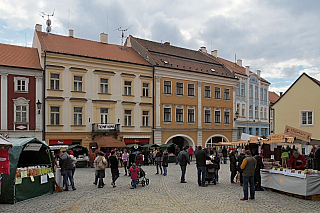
x: 311, y: 78
x: 273, y: 97
x: 93, y: 49
x: 166, y: 55
x: 17, y: 56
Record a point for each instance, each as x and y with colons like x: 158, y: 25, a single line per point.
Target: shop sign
x: 60, y: 142
x: 297, y: 133
x: 106, y: 126
x: 32, y: 147
x: 277, y: 138
x: 137, y: 140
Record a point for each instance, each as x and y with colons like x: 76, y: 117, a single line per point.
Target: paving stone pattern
x: 163, y: 194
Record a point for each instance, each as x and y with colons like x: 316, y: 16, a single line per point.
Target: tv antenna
x: 48, y: 22
x: 122, y: 33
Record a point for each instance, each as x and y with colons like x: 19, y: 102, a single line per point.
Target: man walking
x: 248, y: 166
x: 183, y: 158
x: 114, y: 166
x: 66, y: 165
x: 201, y: 158
x: 225, y: 154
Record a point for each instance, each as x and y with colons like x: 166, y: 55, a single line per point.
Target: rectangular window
x: 145, y: 90
x: 77, y: 116
x: 261, y: 112
x: 127, y: 88
x: 250, y: 111
x: 256, y: 115
x: 167, y: 114
x: 265, y: 113
x: 127, y: 117
x: 190, y: 115
x: 271, y: 113
x: 54, y: 115
x: 207, y: 116
x: 250, y: 131
x: 261, y: 94
x: 54, y: 81
x: 227, y: 117
x: 238, y: 89
x: 77, y: 83
x: 145, y: 118
x: 21, y: 114
x: 251, y: 91
x: 243, y: 110
x: 226, y: 94
x: 179, y: 115
x: 271, y: 126
x: 265, y: 94
x: 217, y: 116
x: 179, y: 88
x: 238, y: 109
x: 256, y: 91
x: 207, y: 91
x: 263, y: 131
x: 167, y: 87
x: 104, y: 85
x: 190, y: 89
x: 21, y: 85
x: 104, y: 115
x: 242, y: 89
x: 217, y: 93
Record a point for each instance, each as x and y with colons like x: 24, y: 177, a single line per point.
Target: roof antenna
x: 235, y: 59
x: 122, y: 34
x: 48, y: 22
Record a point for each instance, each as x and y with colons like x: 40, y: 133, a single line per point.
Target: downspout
x: 44, y: 100
x: 153, y: 103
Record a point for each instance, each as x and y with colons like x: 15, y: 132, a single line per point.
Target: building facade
x: 273, y: 97
x: 252, y: 103
x: 193, y: 95
x: 21, y: 90
x: 94, y: 89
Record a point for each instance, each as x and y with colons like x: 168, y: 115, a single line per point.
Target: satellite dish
x: 48, y: 29
x: 48, y: 22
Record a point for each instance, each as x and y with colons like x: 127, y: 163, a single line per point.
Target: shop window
x: 127, y: 118
x: 54, y: 81
x: 104, y: 114
x: 77, y: 83
x: 54, y: 115
x: 104, y: 85
x: 127, y: 87
x: 77, y: 116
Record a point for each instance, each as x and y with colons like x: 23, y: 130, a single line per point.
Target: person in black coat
x: 257, y: 176
x: 233, y: 165
x: 217, y: 161
x: 224, y: 154
x: 165, y: 162
x: 240, y: 159
x: 317, y: 158
x: 201, y: 158
x: 132, y: 158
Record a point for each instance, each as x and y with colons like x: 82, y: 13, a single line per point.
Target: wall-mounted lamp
x: 38, y: 106
x: 237, y: 116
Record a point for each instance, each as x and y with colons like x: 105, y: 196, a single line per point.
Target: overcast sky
x: 281, y: 38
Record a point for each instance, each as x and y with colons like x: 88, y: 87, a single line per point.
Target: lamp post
x: 38, y: 106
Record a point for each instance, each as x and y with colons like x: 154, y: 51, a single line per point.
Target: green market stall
x: 82, y: 155
x: 171, y: 149
x: 148, y: 146
x: 30, y: 171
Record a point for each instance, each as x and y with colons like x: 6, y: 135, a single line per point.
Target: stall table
x: 82, y: 163
x: 285, y: 181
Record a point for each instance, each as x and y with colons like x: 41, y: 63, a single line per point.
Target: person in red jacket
x: 297, y: 161
x: 139, y: 159
x: 190, y: 152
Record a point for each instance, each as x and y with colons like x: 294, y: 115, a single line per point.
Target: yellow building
x: 299, y: 107
x: 193, y: 95
x: 94, y: 89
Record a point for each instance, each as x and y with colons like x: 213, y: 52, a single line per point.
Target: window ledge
x: 145, y: 97
x: 145, y: 126
x: 191, y: 96
x: 217, y: 99
x: 227, y: 124
x: 191, y: 123
x: 55, y: 90
x: 17, y: 91
x: 60, y: 125
x: 217, y: 124
x: 128, y: 95
x: 127, y: 126
x: 101, y: 93
x: 78, y: 125
x: 207, y: 98
x: 307, y: 125
x: 167, y: 94
x: 179, y: 96
x: 21, y: 123
x: 179, y: 123
x: 79, y: 91
x: 167, y: 123
x: 207, y: 124
x: 227, y: 100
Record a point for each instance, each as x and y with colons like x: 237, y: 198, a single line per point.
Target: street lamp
x: 237, y: 116
x: 38, y: 106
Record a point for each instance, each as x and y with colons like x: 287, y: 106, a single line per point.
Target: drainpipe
x: 44, y: 99
x: 153, y: 104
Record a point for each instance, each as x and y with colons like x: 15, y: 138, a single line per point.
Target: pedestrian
x: 176, y: 153
x: 233, y: 165
x: 220, y: 153
x: 257, y: 175
x: 145, y: 156
x: 154, y: 153
x: 216, y: 160
x: 132, y: 158
x: 317, y: 158
x: 183, y: 158
x: 134, y: 175
x: 190, y: 152
x: 224, y: 154
x: 74, y: 161
x: 248, y: 166
x: 201, y: 158
x: 101, y: 164
x: 139, y: 159
x: 114, y: 167
x: 165, y: 162
x: 66, y: 166
x: 125, y: 157
x: 150, y: 158
x: 158, y: 160
x: 240, y: 159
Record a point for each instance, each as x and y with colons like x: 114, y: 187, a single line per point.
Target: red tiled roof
x: 17, y: 56
x: 273, y: 97
x: 81, y: 47
x: 169, y: 56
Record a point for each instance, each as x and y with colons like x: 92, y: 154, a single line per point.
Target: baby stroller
x: 141, y: 175
x: 211, y: 173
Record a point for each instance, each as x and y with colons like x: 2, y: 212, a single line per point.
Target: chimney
x: 247, y: 70
x: 281, y: 93
x: 104, y: 38
x: 239, y: 62
x: 39, y: 27
x: 214, y: 53
x: 259, y: 73
x: 71, y: 33
x: 203, y: 49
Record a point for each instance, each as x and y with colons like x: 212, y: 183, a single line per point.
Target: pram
x: 142, y: 175
x: 211, y: 172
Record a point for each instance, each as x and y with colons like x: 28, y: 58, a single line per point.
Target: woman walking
x: 132, y: 158
x: 158, y: 161
x: 217, y: 161
x: 233, y: 165
x: 165, y: 162
x: 101, y: 164
x: 114, y: 165
x: 125, y: 157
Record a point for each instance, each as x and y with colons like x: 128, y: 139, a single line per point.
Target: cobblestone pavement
x: 163, y: 194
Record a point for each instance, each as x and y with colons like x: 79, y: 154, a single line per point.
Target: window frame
x: 127, y: 89
x: 179, y: 88
x: 243, y: 110
x: 181, y: 114
x: 169, y: 113
x: 22, y: 79
x: 192, y: 89
x: 77, y: 84
x: 206, y: 91
x: 217, y: 93
x: 226, y: 120
x: 145, y: 118
x: 77, y: 116
x: 145, y: 89
x: 167, y: 87
x: 243, y: 90
x: 226, y: 94
x: 127, y: 117
x: 207, y: 117
x: 105, y: 115
x: 216, y: 116
x: 193, y: 117
x: 256, y: 111
x: 250, y: 111
x: 54, y: 116
x: 104, y: 87
x: 56, y: 81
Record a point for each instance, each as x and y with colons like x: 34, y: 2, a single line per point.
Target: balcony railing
x: 105, y: 127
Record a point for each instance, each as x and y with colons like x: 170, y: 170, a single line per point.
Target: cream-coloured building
x: 94, y: 89
x: 299, y: 107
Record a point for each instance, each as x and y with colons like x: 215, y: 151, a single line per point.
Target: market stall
x: 171, y: 149
x: 30, y: 171
x: 149, y: 146
x: 82, y: 155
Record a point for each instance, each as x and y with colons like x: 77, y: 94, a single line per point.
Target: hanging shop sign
x: 60, y: 142
x: 277, y: 138
x: 297, y: 133
x: 106, y: 126
x: 32, y: 147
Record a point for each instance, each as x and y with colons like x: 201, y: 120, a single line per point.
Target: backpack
x: 101, y: 165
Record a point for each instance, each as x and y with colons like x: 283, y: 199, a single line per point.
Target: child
x: 134, y: 175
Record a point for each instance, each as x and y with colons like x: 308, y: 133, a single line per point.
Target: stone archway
x: 215, y: 139
x: 181, y: 140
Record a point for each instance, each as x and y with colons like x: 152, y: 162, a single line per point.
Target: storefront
x: 82, y: 155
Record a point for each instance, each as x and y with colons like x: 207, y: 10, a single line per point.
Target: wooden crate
x: 313, y: 197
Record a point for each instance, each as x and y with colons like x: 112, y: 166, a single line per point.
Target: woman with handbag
x: 101, y: 163
x: 165, y: 162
